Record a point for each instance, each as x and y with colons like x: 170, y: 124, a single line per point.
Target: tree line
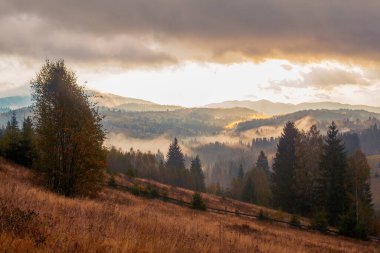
x: 18, y: 144
x: 325, y: 178
x: 313, y: 176
x: 171, y: 170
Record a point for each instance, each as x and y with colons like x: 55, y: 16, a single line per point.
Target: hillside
x: 35, y: 220
x: 273, y: 108
x: 354, y: 120
x: 183, y: 122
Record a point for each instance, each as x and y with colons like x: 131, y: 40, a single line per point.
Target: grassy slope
x: 120, y: 222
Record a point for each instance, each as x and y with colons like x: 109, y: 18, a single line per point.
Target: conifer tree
x: 308, y: 152
x: 175, y: 164
x: 11, y: 140
x: 69, y: 134
x: 262, y: 162
x: 331, y: 190
x: 283, y: 169
x: 237, y: 183
x: 27, y: 143
x: 248, y: 193
x: 198, y: 183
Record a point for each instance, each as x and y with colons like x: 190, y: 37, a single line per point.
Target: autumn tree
x: 358, y: 219
x: 256, y: 188
x: 283, y: 169
x: 69, y: 134
x: 237, y: 183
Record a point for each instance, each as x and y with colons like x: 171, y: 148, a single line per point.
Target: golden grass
x: 120, y: 222
x: 233, y: 124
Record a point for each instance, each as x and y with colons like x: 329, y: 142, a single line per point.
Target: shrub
x: 112, y: 182
x: 319, y: 222
x: 130, y: 172
x: 22, y: 223
x: 262, y: 215
x: 151, y: 191
x: 348, y: 226
x: 198, y: 202
x: 164, y: 194
x: 295, y: 221
x: 136, y: 190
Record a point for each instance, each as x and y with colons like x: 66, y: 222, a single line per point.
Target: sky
x: 195, y: 52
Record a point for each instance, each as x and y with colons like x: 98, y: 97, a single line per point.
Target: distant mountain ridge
x: 110, y: 100
x: 15, y: 102
x: 273, y: 108
x: 107, y: 100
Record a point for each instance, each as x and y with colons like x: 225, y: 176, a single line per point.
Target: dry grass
x: 121, y: 222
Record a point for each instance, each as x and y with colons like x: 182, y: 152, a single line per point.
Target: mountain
x: 107, y: 100
x: 111, y: 100
x: 182, y: 122
x: 347, y: 120
x: 273, y: 108
x: 15, y: 102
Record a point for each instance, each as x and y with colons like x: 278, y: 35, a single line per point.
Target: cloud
x: 325, y: 78
x: 155, y: 32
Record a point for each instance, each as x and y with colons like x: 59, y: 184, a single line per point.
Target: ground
x: 35, y: 220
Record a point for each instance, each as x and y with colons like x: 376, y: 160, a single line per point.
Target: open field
x: 34, y: 220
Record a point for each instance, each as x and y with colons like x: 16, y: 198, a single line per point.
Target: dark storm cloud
x: 167, y: 31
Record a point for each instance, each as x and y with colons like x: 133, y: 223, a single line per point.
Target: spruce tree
x: 262, y: 162
x: 198, y: 183
x: 175, y: 164
x: 331, y: 190
x: 308, y: 152
x: 27, y: 144
x: 11, y: 140
x: 248, y: 193
x: 283, y: 169
x: 237, y: 183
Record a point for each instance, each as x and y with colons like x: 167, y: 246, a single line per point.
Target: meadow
x: 35, y: 220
